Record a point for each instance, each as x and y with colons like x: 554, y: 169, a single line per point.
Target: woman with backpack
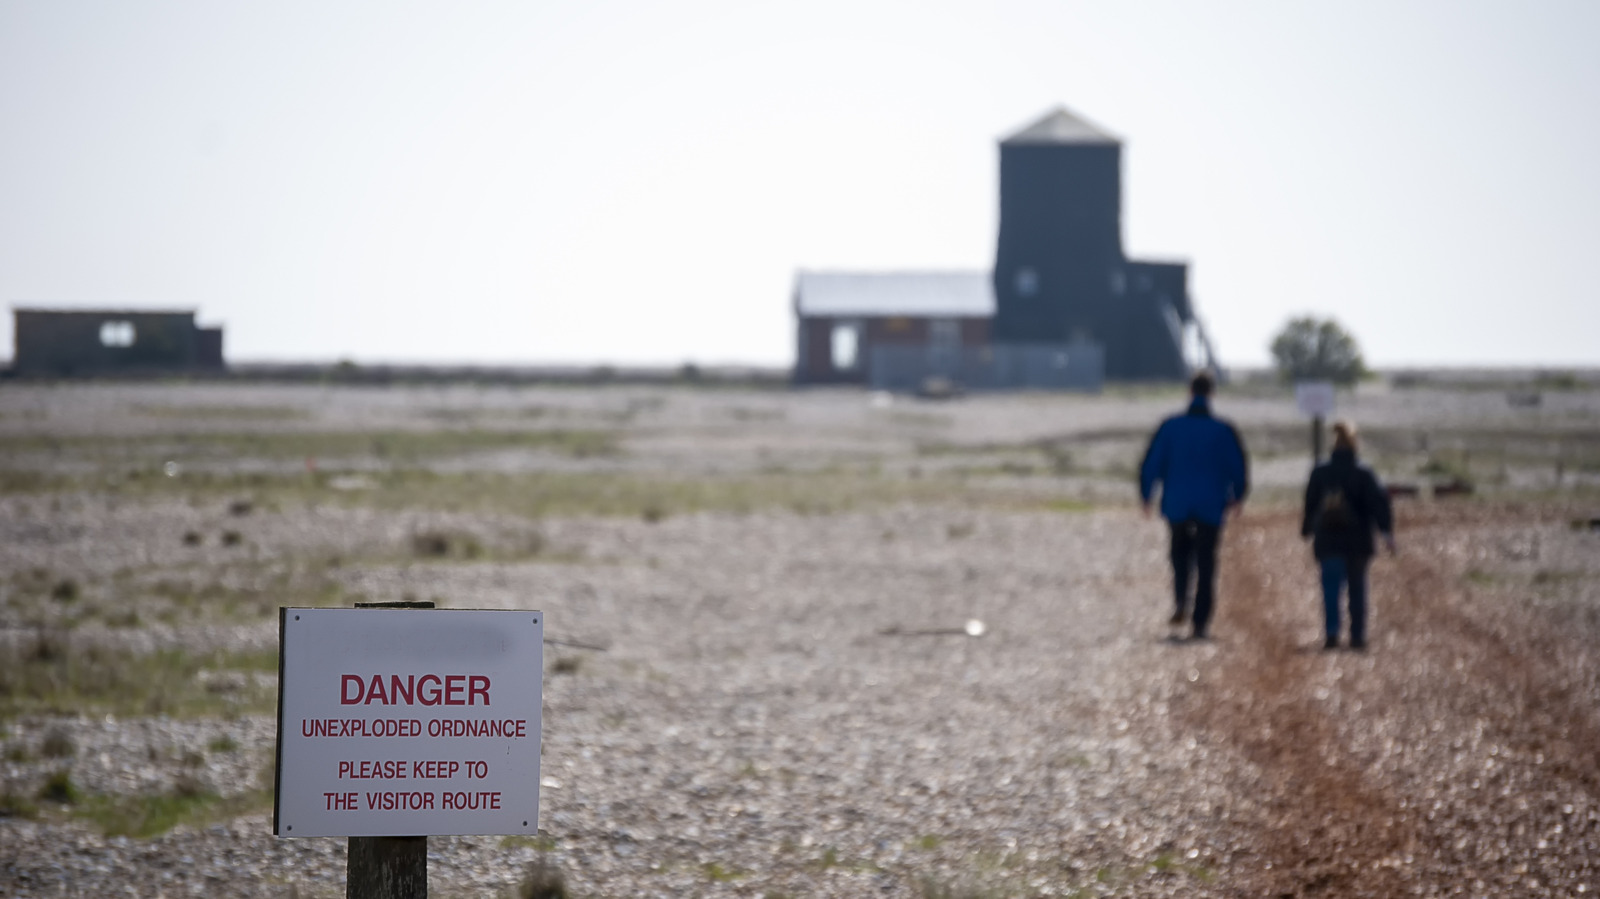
x: 1344, y: 505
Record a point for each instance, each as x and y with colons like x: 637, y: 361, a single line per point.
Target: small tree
x: 1309, y: 349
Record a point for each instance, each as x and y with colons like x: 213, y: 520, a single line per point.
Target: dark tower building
x: 1060, y: 275
x: 1062, y: 308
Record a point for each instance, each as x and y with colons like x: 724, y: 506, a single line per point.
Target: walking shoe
x: 1199, y: 634
x: 1178, y: 617
x: 1358, y: 645
x: 1331, y: 643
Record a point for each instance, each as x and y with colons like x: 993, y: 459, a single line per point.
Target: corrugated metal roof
x: 1062, y: 126
x: 954, y: 294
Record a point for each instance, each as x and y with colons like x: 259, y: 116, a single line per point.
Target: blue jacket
x: 1200, y: 463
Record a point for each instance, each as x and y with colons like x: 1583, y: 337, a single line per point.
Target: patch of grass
x: 716, y: 873
x: 224, y: 743
x: 642, y: 495
x: 1062, y: 504
x: 740, y: 413
x: 124, y: 619
x: 51, y: 675
x: 28, y: 481
x: 1545, y: 577
x: 244, y: 591
x: 654, y: 498
x: 1167, y: 863
x: 566, y: 665
x: 392, y: 446
x: 539, y: 843
x: 1069, y: 760
x: 929, y: 887
x: 831, y: 859
x: 1557, y: 380
x: 919, y: 419
x: 16, y: 805
x: 153, y: 814
x: 1444, y: 467
x: 928, y: 842
x: 231, y: 413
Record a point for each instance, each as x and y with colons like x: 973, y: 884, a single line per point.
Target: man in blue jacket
x: 1201, y: 465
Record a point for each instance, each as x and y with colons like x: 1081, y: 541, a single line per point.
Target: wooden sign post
x: 387, y: 867
x: 1315, y: 398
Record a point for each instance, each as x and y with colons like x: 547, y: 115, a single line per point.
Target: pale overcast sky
x: 632, y: 182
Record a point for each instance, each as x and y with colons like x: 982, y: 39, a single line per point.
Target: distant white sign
x: 400, y: 722
x: 1314, y: 398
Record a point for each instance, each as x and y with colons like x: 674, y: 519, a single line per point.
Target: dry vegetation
x: 759, y: 683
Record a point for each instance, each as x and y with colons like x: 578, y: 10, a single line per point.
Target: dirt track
x: 1456, y: 757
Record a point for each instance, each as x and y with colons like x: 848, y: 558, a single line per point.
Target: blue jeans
x: 1337, y: 571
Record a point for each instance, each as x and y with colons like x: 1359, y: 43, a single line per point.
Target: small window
x: 944, y: 333
x: 846, y: 346
x: 1027, y: 282
x: 115, y: 333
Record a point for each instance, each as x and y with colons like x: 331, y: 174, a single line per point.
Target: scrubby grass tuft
x: 59, y: 788
x: 446, y: 545
x: 58, y: 744
x: 543, y: 881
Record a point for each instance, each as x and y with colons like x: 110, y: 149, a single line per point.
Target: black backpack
x: 1337, y: 511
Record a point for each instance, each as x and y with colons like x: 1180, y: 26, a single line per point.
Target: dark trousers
x: 1342, y: 571
x: 1194, y: 548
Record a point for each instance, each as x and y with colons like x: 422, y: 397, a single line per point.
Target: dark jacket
x: 1201, y: 464
x: 1344, y: 503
